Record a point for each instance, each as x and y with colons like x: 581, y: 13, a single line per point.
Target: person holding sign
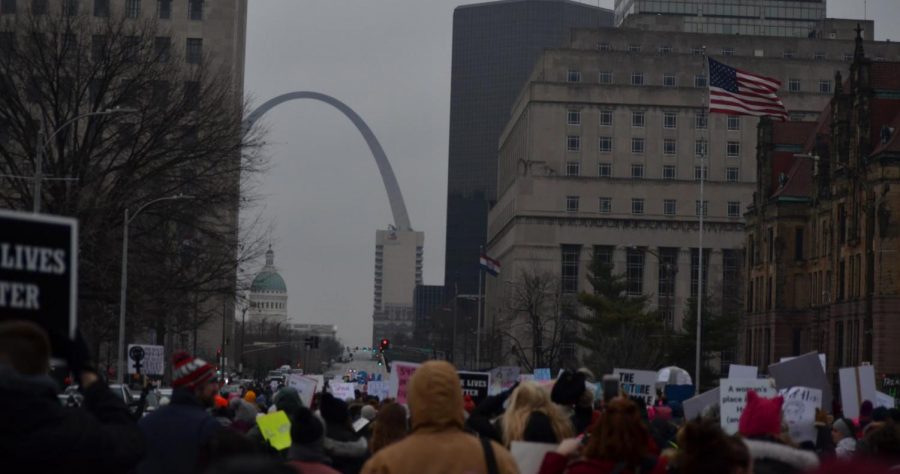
x: 760, y: 425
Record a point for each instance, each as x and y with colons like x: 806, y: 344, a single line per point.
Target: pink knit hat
x: 761, y: 416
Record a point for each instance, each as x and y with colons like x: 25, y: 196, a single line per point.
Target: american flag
x: 736, y: 92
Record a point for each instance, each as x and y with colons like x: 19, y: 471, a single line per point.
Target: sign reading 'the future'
x: 38, y: 270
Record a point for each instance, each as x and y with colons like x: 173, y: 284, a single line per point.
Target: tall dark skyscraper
x: 495, y: 46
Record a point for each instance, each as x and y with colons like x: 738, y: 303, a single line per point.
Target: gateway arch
x: 395, y: 197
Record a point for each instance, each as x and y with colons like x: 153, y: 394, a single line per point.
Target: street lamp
x: 39, y: 158
x: 120, y: 373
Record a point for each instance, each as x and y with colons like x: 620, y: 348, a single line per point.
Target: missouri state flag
x: 490, y: 265
x: 736, y: 92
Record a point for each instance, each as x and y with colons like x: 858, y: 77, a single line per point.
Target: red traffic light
x: 385, y: 343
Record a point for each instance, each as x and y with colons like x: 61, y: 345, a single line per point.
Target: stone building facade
x: 822, y: 239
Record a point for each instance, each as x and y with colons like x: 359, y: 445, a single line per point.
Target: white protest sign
x: 857, y: 386
x: 526, y: 378
x: 503, y: 378
x: 381, y: 390
x: 733, y: 398
x: 343, y: 391
x: 884, y: 400
x: 320, y: 381
x: 799, y: 412
x: 803, y: 371
x: 402, y: 373
x: 736, y: 371
x: 638, y: 383
x: 146, y: 359
x: 693, y: 407
x: 529, y: 456
x: 305, y: 386
x: 822, y: 358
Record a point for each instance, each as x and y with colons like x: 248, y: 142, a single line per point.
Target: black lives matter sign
x: 475, y: 384
x: 38, y: 270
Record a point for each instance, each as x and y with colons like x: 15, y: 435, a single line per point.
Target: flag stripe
x: 736, y: 92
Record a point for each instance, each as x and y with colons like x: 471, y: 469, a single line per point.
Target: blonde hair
x: 526, y: 399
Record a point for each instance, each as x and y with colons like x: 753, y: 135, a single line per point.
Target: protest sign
x: 146, y: 359
x: 343, y: 391
x: 305, y: 386
x: 890, y: 384
x: 693, y: 407
x: 542, y: 374
x: 526, y: 378
x: 276, y: 429
x: 379, y: 389
x: 733, y: 398
x: 320, y: 381
x: 475, y: 384
x: 503, y: 378
x: 857, y: 386
x: 39, y: 270
x: 884, y: 400
x: 736, y: 371
x: 804, y: 371
x: 822, y: 359
x: 638, y: 383
x: 529, y: 456
x: 402, y: 372
x: 799, y: 412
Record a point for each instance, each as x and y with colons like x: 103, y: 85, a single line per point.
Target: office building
x: 398, y: 269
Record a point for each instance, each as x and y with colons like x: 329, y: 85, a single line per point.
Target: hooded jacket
x: 38, y: 434
x: 437, y: 441
x: 772, y: 457
x: 176, y: 434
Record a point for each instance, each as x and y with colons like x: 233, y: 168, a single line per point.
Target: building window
x: 637, y: 119
x: 700, y: 80
x: 605, y: 205
x: 798, y: 244
x: 132, y: 8
x: 733, y: 150
x: 573, y: 143
x: 604, y: 47
x: 696, y: 50
x: 734, y: 209
x: 701, y: 120
x: 573, y: 76
x: 732, y: 175
x: 162, y: 47
x: 695, y: 267
x: 670, y: 120
x: 604, y: 254
x: 668, y: 172
x: 700, y: 147
x: 669, y: 207
x: 734, y: 122
x: 70, y: 7
x: 793, y: 85
x: 700, y: 172
x: 194, y: 51
x: 164, y: 9
x: 637, y: 145
x: 637, y: 78
x: 605, y: 144
x: 195, y: 10
x: 789, y: 54
x: 637, y: 170
x: 825, y: 86
x: 38, y: 7
x: 604, y: 170
x: 101, y: 8
x: 668, y: 80
x: 573, y: 168
x: 669, y: 146
x: 727, y: 51
x: 664, y: 49
x: 634, y: 48
x: 569, y: 275
x: 637, y: 206
x: 634, y: 272
x: 818, y: 56
x: 98, y: 47
x: 606, y: 118
x: 572, y: 203
x: 705, y: 208
x: 573, y: 117
x: 606, y: 77
x: 847, y: 57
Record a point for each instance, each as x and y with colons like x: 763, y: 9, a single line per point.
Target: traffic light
x: 385, y: 344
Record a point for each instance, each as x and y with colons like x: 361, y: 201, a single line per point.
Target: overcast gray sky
x: 390, y: 61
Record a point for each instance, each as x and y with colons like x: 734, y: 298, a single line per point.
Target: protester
x: 662, y: 429
x: 389, y: 427
x: 531, y: 416
x: 843, y: 433
x: 37, y: 433
x: 704, y: 447
x: 244, y: 415
x: 760, y: 424
x: 619, y: 443
x: 221, y: 412
x: 368, y: 412
x: 568, y: 393
x: 866, y: 410
x: 177, y: 432
x: 307, y: 454
x: 437, y: 438
x: 346, y: 448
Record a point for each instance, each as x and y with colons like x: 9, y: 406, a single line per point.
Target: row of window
x: 573, y: 204
x: 669, y: 80
x: 101, y: 8
x: 669, y: 172
x: 605, y: 145
x: 162, y: 48
x: 724, y: 51
x: 266, y: 305
x: 638, y: 119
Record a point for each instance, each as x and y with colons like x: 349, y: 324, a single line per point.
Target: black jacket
x: 178, y: 435
x: 38, y: 434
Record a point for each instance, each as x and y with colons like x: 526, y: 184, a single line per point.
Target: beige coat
x: 438, y: 443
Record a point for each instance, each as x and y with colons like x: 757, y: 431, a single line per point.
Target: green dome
x: 268, y: 281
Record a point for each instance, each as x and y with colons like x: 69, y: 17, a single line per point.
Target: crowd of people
x: 437, y: 430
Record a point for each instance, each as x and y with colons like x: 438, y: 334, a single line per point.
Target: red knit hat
x: 761, y: 416
x: 220, y: 402
x: 189, y: 371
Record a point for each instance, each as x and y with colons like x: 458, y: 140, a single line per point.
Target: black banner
x: 39, y: 270
x: 475, y: 384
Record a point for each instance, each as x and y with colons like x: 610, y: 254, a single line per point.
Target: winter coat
x: 437, y: 442
x: 310, y: 459
x: 39, y: 434
x: 773, y: 457
x: 176, y: 435
x: 555, y: 463
x: 347, y: 449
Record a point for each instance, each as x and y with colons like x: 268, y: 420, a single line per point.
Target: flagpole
x: 700, y: 249
x: 478, y: 323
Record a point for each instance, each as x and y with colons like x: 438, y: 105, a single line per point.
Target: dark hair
x: 390, y: 426
x: 884, y: 442
x: 25, y: 346
x: 620, y: 435
x: 704, y: 447
x: 305, y: 427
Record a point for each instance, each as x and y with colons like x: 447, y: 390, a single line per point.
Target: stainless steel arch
x: 395, y: 197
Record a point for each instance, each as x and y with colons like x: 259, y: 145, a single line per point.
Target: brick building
x: 823, y: 247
